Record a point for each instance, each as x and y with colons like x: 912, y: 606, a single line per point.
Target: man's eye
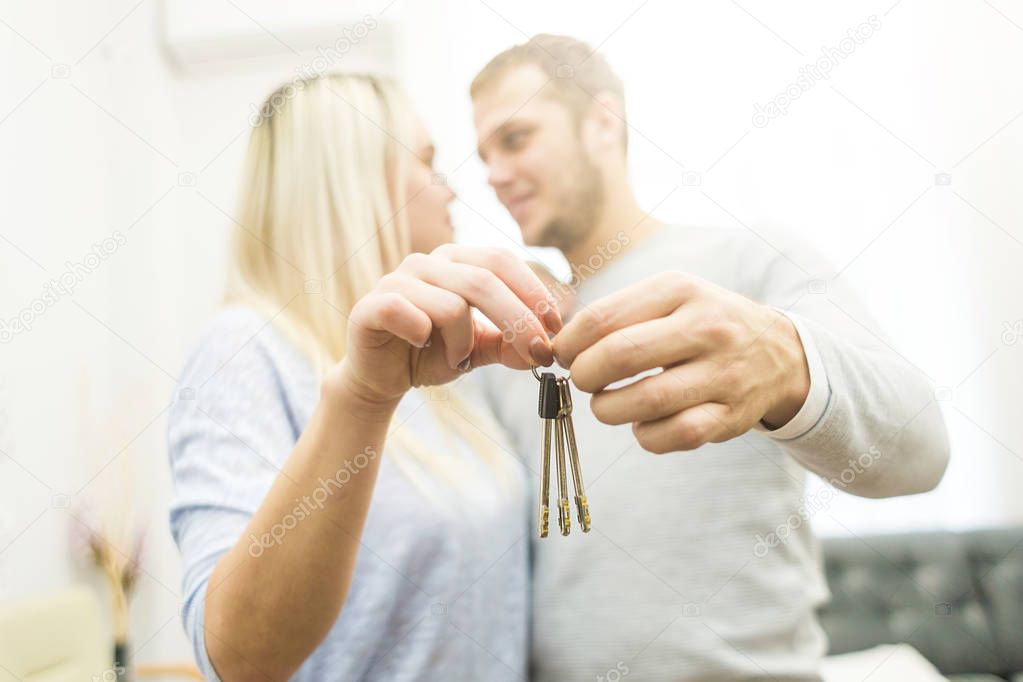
x: 515, y: 140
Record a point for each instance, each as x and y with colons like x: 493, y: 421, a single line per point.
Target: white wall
x: 933, y: 90
x: 102, y: 139
x: 100, y: 133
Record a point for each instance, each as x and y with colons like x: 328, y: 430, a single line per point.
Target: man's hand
x: 728, y: 362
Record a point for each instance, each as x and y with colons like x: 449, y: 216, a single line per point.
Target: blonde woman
x: 334, y: 524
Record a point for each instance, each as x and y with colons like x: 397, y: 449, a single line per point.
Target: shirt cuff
x: 198, y: 632
x: 817, y: 398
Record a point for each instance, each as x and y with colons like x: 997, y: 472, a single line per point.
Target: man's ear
x: 608, y: 115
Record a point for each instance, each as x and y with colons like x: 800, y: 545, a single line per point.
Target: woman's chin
x: 447, y: 235
x: 425, y: 240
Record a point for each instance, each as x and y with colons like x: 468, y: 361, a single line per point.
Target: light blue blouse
x: 440, y: 592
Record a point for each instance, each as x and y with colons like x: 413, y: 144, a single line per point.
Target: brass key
x: 549, y: 407
x: 582, y: 505
x: 564, y: 515
x: 555, y: 411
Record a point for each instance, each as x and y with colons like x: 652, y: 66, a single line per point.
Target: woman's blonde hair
x: 320, y: 221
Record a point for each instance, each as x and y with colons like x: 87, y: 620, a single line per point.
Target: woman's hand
x: 416, y: 327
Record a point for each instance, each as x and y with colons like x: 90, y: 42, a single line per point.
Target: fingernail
x: 429, y: 342
x: 541, y: 352
x: 463, y: 366
x: 553, y: 320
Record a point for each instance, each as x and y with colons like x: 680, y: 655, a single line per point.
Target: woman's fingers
x: 437, y: 293
x: 380, y: 315
x: 449, y: 313
x: 484, y: 290
x: 515, y: 273
x: 490, y: 347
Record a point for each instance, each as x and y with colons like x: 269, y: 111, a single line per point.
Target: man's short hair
x: 576, y: 73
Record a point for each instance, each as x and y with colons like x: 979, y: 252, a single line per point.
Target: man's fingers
x: 687, y: 430
x: 652, y: 298
x: 625, y: 353
x: 658, y: 396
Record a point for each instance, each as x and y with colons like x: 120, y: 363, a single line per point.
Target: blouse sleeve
x: 230, y: 430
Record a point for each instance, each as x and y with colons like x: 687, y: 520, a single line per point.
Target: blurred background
x: 122, y: 130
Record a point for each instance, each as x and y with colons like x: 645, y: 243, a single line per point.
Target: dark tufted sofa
x: 955, y: 597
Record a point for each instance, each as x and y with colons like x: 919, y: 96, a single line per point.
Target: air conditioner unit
x: 322, y: 34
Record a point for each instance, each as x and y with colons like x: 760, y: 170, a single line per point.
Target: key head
x: 550, y: 396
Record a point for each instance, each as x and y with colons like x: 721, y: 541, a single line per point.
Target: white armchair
x: 59, y: 638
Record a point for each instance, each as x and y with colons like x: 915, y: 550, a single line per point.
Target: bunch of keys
x: 555, y: 409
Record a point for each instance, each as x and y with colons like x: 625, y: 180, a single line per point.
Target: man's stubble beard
x: 582, y: 209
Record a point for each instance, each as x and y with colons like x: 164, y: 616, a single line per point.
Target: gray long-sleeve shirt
x: 702, y: 565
